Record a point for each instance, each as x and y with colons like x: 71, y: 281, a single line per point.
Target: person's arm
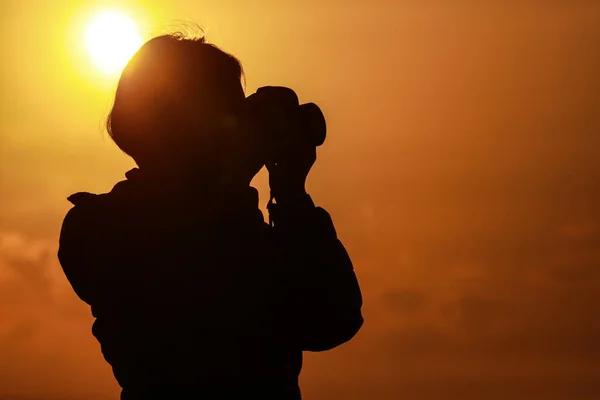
x: 322, y: 306
x: 323, y: 303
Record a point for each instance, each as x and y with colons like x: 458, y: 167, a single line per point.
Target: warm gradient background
x: 462, y: 169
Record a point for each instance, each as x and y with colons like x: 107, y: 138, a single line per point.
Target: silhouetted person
x: 194, y: 295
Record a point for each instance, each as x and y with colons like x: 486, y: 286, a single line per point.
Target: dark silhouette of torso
x: 195, y: 295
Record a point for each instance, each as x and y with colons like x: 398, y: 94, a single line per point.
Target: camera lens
x: 312, y: 123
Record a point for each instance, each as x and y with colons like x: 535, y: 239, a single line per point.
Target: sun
x: 111, y: 39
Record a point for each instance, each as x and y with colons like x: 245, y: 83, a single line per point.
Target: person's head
x: 177, y: 109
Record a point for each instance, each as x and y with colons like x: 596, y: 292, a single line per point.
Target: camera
x: 275, y: 114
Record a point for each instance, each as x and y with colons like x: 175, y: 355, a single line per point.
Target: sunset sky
x: 462, y: 170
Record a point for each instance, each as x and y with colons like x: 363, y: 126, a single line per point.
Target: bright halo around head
x: 112, y: 38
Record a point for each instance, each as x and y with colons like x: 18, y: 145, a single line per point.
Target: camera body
x: 275, y: 114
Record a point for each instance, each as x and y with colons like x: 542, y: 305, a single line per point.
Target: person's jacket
x: 194, y: 293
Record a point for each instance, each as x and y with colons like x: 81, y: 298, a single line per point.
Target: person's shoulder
x: 87, y: 209
x: 86, y: 203
x: 90, y: 208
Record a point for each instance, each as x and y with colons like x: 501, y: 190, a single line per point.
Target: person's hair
x: 172, y: 93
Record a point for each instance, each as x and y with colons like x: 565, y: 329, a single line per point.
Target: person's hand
x: 287, y: 176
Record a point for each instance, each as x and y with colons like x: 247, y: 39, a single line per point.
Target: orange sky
x: 461, y: 169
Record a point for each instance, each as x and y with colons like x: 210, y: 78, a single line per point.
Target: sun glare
x: 111, y: 39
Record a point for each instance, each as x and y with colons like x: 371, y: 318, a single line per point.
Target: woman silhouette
x: 194, y: 295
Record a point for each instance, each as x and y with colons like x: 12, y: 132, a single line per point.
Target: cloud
x: 511, y: 311
x: 45, y: 331
x: 404, y: 300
